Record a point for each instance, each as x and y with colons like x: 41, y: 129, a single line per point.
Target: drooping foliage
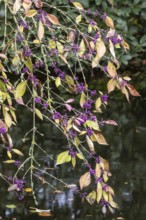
x: 45, y: 59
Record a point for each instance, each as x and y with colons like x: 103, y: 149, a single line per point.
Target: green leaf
x: 2, y: 87
x: 58, y: 82
x: 62, y: 157
x: 20, y: 89
x: 38, y: 113
x: 73, y: 160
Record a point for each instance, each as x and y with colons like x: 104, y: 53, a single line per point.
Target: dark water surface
x: 127, y: 156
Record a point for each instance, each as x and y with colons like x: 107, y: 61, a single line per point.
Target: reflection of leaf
x: 85, y: 180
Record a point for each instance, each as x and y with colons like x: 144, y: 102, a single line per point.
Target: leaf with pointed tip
x: 85, y: 180
x: 99, y: 192
x: 109, y: 22
x: 20, y: 89
x: 62, y: 157
x: 91, y: 197
x: 16, y: 6
x: 78, y: 5
x: 12, y: 187
x: 111, y: 69
x: 100, y: 48
x: 90, y: 144
x: 41, y: 31
x: 31, y: 13
x: 53, y: 19
x: 38, y: 113
x: 16, y: 151
x: 100, y: 138
x: 78, y: 19
x: 132, y: 90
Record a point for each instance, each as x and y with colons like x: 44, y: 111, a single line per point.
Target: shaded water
x: 127, y: 156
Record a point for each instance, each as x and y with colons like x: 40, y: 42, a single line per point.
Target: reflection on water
x: 127, y: 156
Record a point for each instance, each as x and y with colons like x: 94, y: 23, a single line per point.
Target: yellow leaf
x: 36, y: 41
x: 53, y: 19
x: 9, y: 154
x: 62, y: 157
x: 97, y: 171
x: 20, y: 89
x: 85, y: 180
x: 78, y: 5
x: 100, y: 48
x: 28, y: 190
x: 82, y: 48
x: 31, y: 13
x: 111, y: 85
x: 82, y: 99
x: 98, y: 103
x: 99, y: 192
x: 16, y: 151
x: 52, y: 44
x: 111, y: 69
x: 95, y: 61
x: 92, y: 124
x: 58, y: 82
x: 78, y: 19
x: 38, y: 113
x: 8, y: 119
x: 60, y: 47
x: 73, y: 160
x: 9, y: 161
x: 28, y: 64
x: 109, y: 22
x: 91, y: 197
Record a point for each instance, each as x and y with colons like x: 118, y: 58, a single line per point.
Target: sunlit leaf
x: 111, y: 85
x: 8, y: 119
x: 11, y: 206
x: 80, y: 156
x: 97, y: 170
x: 111, y: 48
x: 20, y: 89
x: 16, y: 151
x: 78, y: 19
x: 85, y: 180
x: 31, y: 13
x: 28, y: 190
x: 78, y: 5
x: 62, y: 157
x: 111, y: 122
x: 57, y: 82
x: 60, y: 47
x: 82, y: 48
x: 92, y: 124
x: 98, y: 103
x: 82, y: 99
x: 38, y: 113
x: 9, y: 161
x: 73, y: 161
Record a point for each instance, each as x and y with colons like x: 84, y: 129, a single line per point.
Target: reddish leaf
x: 132, y: 90
x: 53, y: 19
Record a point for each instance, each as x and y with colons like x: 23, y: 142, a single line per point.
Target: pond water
x: 127, y: 156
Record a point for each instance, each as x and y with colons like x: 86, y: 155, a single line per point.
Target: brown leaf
x: 53, y: 19
x: 132, y: 90
x: 85, y: 180
x: 100, y: 138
